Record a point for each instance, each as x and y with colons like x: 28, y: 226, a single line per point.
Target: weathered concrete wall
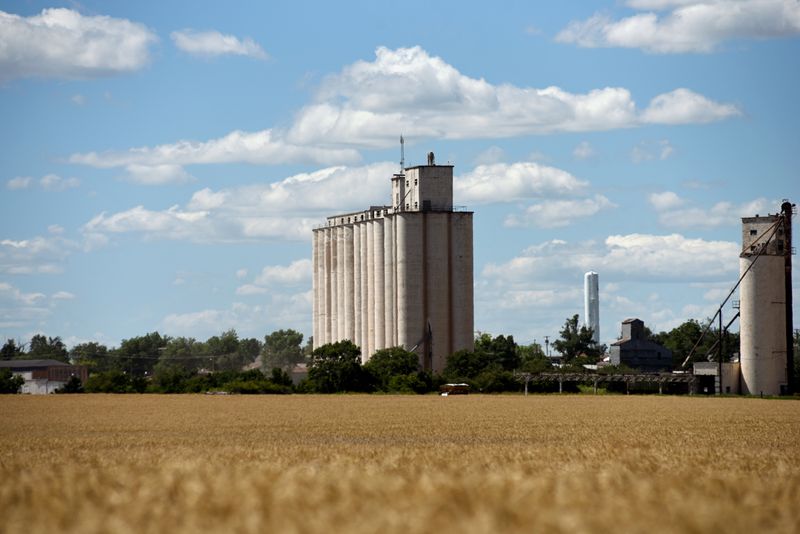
x: 461, y: 281
x: 438, y: 290
x: 762, y: 325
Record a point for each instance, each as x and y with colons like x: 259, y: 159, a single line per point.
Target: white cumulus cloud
x: 287, y: 209
x: 689, y: 26
x: 214, y: 43
x: 637, y: 257
x: 158, y: 174
x: 62, y: 43
x: 407, y: 89
x: 683, y: 106
x: 676, y: 212
x: 37, y: 255
x: 263, y: 147
x: 19, y: 182
x: 559, y: 213
x: 503, y: 182
x: 53, y: 182
x: 296, y: 273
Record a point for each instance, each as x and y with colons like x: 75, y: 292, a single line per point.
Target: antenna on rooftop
x: 402, y: 155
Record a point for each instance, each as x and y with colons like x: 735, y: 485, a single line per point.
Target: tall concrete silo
x: 591, y: 304
x: 765, y: 304
x: 398, y: 274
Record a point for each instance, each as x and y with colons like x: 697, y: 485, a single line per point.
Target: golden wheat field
x: 157, y: 463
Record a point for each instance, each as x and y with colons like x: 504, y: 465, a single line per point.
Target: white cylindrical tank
x: 369, y: 346
x: 388, y: 281
x: 362, y: 342
x: 340, y: 274
x: 329, y: 293
x: 591, y: 304
x: 357, y: 284
x: 377, y: 289
x: 349, y: 292
x: 762, y: 325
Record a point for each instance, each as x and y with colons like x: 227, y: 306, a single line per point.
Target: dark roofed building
x: 638, y: 352
x: 44, y: 376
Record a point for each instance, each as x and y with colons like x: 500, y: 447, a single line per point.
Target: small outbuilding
x: 637, y: 352
x: 44, y: 376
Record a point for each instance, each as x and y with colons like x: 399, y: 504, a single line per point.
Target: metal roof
x: 27, y: 364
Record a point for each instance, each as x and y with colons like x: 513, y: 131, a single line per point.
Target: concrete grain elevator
x: 398, y: 274
x: 766, y: 351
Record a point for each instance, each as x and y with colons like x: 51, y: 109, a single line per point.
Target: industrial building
x: 637, y: 352
x: 44, y: 376
x: 765, y: 292
x: 591, y: 304
x: 398, y: 274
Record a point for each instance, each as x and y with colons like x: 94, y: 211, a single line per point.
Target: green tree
x: 73, y: 385
x: 139, y: 355
x: 336, y: 367
x: 501, y: 350
x: 282, y: 349
x: 491, y: 354
x: 227, y: 353
x: 169, y: 377
x: 184, y: 353
x: 681, y: 339
x: 388, y: 364
x: 115, y: 381
x: 9, y: 382
x: 10, y: 350
x: 577, y: 341
x: 93, y: 355
x: 533, y: 359
x: 44, y: 348
x: 463, y: 365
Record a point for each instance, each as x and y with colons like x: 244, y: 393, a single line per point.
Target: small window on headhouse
x: 406, y: 183
x: 415, y: 181
x: 406, y: 205
x: 753, y: 231
x: 416, y: 205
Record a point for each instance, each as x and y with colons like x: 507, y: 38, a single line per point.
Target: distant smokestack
x: 591, y: 307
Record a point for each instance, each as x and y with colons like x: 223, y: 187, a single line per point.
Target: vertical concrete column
x: 362, y: 310
x: 462, y: 281
x: 388, y: 281
x: 349, y: 276
x: 410, y: 320
x: 761, y: 331
x: 400, y: 276
x: 357, y: 283
x: 379, y: 279
x: 366, y: 351
x: 438, y: 297
x: 326, y: 331
x: 315, y: 280
x: 340, y: 277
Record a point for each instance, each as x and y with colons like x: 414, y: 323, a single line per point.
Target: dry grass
x: 100, y: 463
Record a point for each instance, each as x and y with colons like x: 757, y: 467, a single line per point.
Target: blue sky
x: 162, y: 163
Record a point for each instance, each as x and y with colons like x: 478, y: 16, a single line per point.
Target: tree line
x: 162, y: 364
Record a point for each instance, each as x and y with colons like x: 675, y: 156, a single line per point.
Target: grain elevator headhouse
x: 399, y: 274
